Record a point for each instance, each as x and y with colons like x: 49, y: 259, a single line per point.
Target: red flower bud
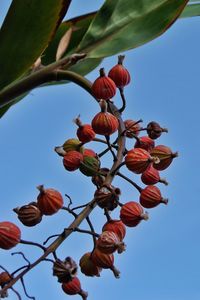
x: 73, y: 288
x: 105, y: 123
x: 10, y: 235
x: 88, y: 267
x: 103, y: 87
x: 117, y: 227
x: 137, y: 160
x: 151, y: 197
x: 49, y: 200
x: 85, y: 133
x: 145, y: 143
x: 105, y: 261
x: 165, y: 156
x: 154, y: 130
x: 132, y: 128
x: 119, y: 74
x: 72, y: 160
x: 132, y: 214
x: 152, y: 176
x: 89, y: 152
x: 5, y: 277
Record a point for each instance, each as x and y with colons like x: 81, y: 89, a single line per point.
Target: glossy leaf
x: 28, y: 28
x: 191, y: 10
x: 125, y: 24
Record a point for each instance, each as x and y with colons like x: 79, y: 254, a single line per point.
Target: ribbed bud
x: 49, y: 201
x: 88, y: 267
x: 103, y: 87
x: 132, y: 214
x: 151, y: 197
x: 65, y: 270
x: 107, y: 197
x: 29, y: 215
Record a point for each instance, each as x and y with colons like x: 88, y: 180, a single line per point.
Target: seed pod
x: 65, y: 270
x: 98, y: 179
x: 154, y: 130
x: 89, y: 166
x: 104, y: 123
x: 103, y: 87
x: 72, y: 160
x: 73, y: 144
x: 73, y: 287
x: 107, y: 197
x: 49, y: 200
x: 89, y: 152
x: 165, y: 156
x: 85, y: 133
x: 5, y: 277
x: 10, y: 235
x: 117, y: 227
x: 152, y: 176
x: 29, y: 215
x: 104, y: 261
x: 132, y: 128
x: 137, y: 160
x: 108, y: 242
x: 132, y: 214
x: 151, y: 197
x: 145, y: 143
x: 119, y: 74
x: 88, y: 267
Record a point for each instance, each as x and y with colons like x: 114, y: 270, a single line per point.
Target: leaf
x: 81, y: 24
x: 28, y: 28
x: 64, y: 43
x: 191, y: 10
x: 121, y: 25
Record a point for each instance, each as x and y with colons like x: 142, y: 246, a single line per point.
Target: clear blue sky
x: 162, y: 257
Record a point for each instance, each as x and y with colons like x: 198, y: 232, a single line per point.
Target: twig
x: 110, y: 148
x: 33, y: 244
x: 70, y: 200
x: 121, y: 90
x: 130, y: 181
x: 106, y: 213
x: 24, y: 288
x: 70, y: 211
x: 16, y: 292
x: 50, y: 237
x: 24, y: 257
x: 80, y: 206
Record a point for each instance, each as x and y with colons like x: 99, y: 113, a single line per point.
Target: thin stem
x: 24, y: 288
x: 33, y: 244
x: 24, y: 257
x: 118, y: 167
x: 121, y: 90
x: 110, y: 147
x: 16, y: 292
x: 50, y: 237
x: 44, y: 75
x: 70, y: 211
x: 103, y: 152
x: 130, y: 181
x: 92, y: 230
x: 106, y: 213
x: 80, y: 206
x: 94, y: 234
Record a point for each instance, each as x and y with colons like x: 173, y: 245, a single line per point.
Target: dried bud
x: 65, y: 270
x: 98, y: 179
x: 154, y: 130
x: 49, y: 200
x: 29, y: 215
x: 10, y: 235
x: 132, y: 128
x: 107, y: 197
x: 88, y: 267
x: 151, y: 197
x: 132, y: 214
x: 108, y: 242
x: 103, y: 87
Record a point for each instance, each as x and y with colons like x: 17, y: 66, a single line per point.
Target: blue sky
x: 162, y: 256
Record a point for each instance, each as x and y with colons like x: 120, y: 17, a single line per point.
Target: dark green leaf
x: 125, y: 24
x: 28, y: 28
x: 191, y: 10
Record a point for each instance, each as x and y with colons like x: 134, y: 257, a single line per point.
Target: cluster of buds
x: 145, y: 158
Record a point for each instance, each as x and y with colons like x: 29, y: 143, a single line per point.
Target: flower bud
x: 88, y: 267
x: 29, y: 215
x: 132, y: 214
x: 65, y: 270
x: 49, y: 200
x: 151, y: 197
x: 103, y: 87
x: 10, y: 235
